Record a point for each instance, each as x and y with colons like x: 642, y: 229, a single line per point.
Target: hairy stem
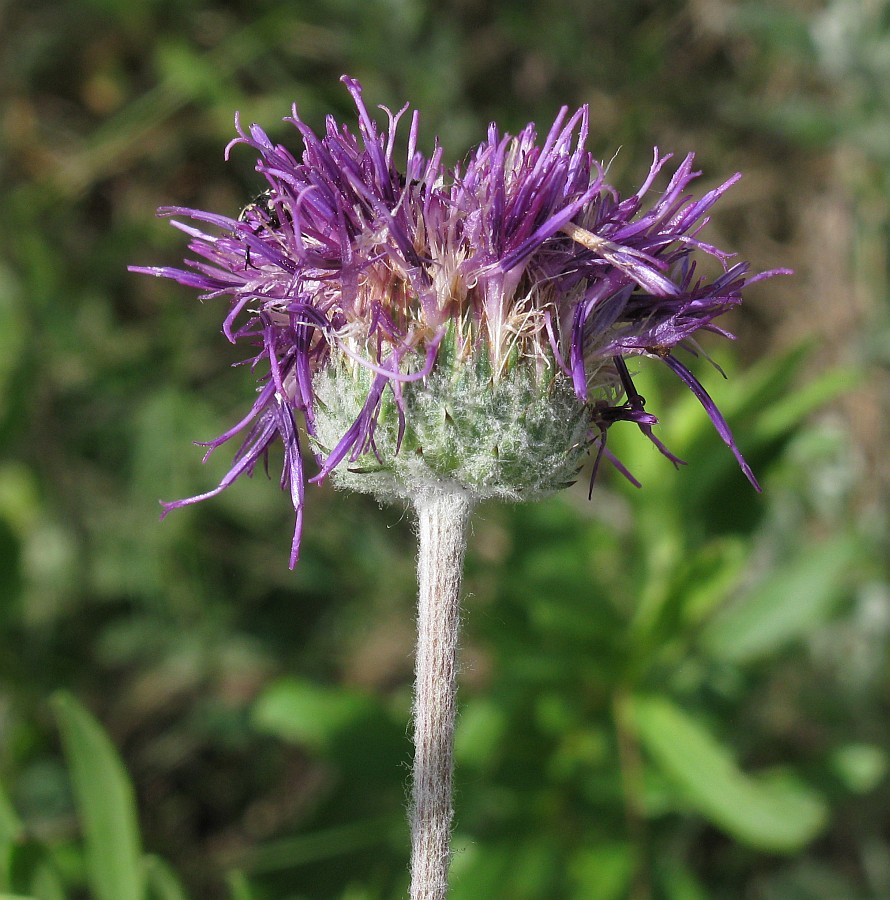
x: 442, y: 521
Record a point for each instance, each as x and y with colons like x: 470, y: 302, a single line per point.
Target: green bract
x: 515, y: 436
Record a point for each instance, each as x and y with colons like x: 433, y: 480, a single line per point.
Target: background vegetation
x: 675, y: 693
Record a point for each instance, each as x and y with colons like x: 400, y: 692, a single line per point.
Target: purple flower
x: 418, y: 317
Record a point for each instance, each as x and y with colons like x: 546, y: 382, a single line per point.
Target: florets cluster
x: 465, y: 327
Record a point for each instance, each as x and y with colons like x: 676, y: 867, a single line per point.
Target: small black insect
x: 261, y: 206
x: 261, y: 215
x: 635, y: 400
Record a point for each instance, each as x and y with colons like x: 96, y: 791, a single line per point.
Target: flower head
x: 464, y: 327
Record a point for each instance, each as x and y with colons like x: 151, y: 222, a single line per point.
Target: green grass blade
x: 794, y: 600
x: 162, y: 881
x: 106, y: 804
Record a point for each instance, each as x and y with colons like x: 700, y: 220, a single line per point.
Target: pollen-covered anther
x: 584, y: 237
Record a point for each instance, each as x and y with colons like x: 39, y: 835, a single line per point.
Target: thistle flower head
x: 465, y: 328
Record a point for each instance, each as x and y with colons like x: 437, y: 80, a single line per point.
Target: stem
x: 442, y: 520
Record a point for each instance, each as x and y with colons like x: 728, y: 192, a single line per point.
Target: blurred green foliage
x: 679, y: 692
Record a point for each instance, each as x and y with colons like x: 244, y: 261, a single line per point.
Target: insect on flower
x: 260, y: 215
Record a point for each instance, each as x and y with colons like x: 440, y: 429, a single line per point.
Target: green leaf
x: 861, y: 767
x: 791, y: 602
x: 349, y: 728
x: 239, y: 886
x: 677, y: 881
x: 105, y: 802
x: 10, y: 835
x: 766, y: 813
x: 788, y: 412
x: 603, y: 872
x: 285, y: 853
x: 695, y: 587
x: 307, y: 713
x: 162, y: 881
x: 479, y: 733
x: 47, y: 884
x: 501, y: 868
x: 32, y: 868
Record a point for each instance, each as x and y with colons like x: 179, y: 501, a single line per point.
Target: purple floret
x: 354, y: 253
